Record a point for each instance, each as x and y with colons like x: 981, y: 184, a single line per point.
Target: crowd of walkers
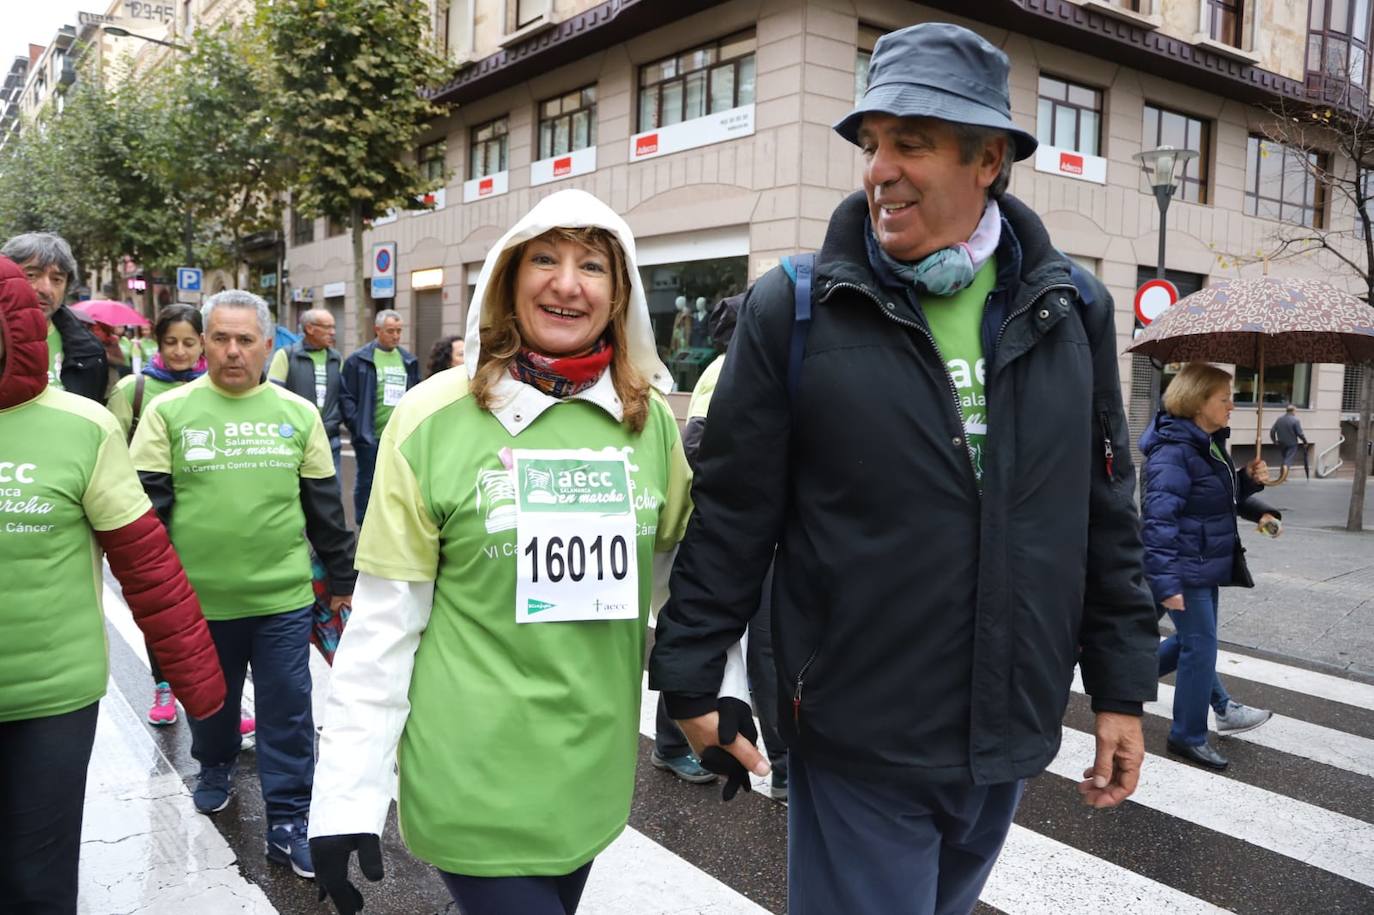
x: 889, y: 519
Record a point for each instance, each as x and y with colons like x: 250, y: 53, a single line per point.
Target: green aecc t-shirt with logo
x: 519, y: 752
x: 956, y: 323
x: 391, y: 370
x: 236, y: 462
x: 64, y: 474
x: 54, y: 356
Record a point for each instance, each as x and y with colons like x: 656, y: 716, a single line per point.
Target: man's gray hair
x: 973, y: 139
x: 42, y: 249
x: 313, y: 316
x: 386, y: 314
x: 239, y: 298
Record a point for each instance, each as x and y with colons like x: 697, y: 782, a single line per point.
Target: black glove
x: 736, y: 719
x: 330, y: 855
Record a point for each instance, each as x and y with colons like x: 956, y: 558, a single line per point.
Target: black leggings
x: 42, y: 790
x: 526, y: 895
x: 152, y: 663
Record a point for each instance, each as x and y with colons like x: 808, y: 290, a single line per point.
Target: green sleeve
x: 319, y: 459
x: 113, y: 496
x: 400, y: 540
x: 677, y: 506
x: 151, y: 450
x: 121, y: 403
x: 277, y: 370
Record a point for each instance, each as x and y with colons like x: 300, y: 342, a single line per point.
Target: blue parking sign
x: 189, y: 279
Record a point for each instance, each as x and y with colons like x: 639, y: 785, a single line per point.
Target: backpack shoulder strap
x: 140, y: 383
x: 799, y: 269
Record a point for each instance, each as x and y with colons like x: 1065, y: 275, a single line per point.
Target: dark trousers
x: 336, y: 451
x: 362, y: 479
x: 669, y: 741
x: 526, y: 895
x: 42, y: 790
x: 278, y: 647
x: 153, y: 667
x: 877, y: 848
x: 1192, y: 651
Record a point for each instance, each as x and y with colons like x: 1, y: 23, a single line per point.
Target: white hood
x: 573, y: 209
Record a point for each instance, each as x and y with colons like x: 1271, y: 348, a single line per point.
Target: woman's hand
x: 1258, y: 470
x: 1173, y: 603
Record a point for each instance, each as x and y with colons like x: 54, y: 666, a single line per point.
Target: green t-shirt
x: 64, y: 473
x: 705, y: 387
x: 236, y: 462
x: 148, y: 346
x: 508, y: 721
x: 54, y: 357
x: 956, y: 323
x: 391, y: 384
x: 121, y: 402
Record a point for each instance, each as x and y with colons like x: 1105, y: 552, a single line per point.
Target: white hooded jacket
x: 367, y: 706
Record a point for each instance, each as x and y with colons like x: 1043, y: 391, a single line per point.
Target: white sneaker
x: 1238, y: 718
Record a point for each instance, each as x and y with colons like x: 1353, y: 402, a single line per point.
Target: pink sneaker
x: 164, y: 710
x: 248, y: 728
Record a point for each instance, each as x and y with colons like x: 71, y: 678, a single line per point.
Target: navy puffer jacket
x: 1190, y: 504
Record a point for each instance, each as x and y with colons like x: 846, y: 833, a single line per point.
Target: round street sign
x: 383, y: 261
x: 1153, y: 298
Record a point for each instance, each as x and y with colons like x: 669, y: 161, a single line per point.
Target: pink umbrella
x: 115, y: 314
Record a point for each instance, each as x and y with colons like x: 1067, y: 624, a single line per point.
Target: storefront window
x: 681, y: 296
x: 1283, y: 384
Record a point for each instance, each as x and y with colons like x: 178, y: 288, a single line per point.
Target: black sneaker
x: 214, y: 785
x: 287, y: 843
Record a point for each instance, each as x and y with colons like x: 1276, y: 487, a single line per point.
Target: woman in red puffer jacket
x: 68, y: 492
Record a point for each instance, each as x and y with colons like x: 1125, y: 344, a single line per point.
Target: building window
x: 1351, y: 387
x: 333, y: 227
x: 1163, y: 127
x: 1283, y: 384
x: 528, y: 12
x: 1282, y: 183
x: 302, y: 228
x: 567, y: 123
x: 1069, y: 116
x: 1338, y: 39
x: 430, y: 158
x: 868, y: 37
x: 488, y: 152
x: 1225, y: 21
x: 705, y: 80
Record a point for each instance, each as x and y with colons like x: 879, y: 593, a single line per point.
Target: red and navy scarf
x: 561, y: 377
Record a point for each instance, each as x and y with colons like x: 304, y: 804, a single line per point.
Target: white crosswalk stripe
x: 1043, y: 869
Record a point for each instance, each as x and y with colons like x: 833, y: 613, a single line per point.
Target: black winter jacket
x: 85, y: 367
x: 921, y: 632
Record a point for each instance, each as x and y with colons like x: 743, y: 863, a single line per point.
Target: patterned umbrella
x: 1262, y: 321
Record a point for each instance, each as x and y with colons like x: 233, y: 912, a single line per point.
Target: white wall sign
x: 579, y: 162
x: 1070, y: 164
x: 386, y: 218
x: 714, y: 128
x: 489, y: 186
x: 304, y: 294
x: 434, y: 200
x: 334, y: 290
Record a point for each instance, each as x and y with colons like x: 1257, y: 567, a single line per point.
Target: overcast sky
x: 37, y: 21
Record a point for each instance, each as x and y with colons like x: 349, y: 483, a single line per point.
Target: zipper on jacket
x: 1030, y: 303
x: 925, y: 331
x: 797, y: 693
x: 1108, y: 453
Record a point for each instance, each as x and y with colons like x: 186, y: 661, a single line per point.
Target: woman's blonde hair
x: 1191, y: 387
x: 500, y: 332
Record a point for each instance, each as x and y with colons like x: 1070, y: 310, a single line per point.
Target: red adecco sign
x: 556, y: 168
x: 1070, y: 163
x: 646, y: 145
x: 486, y: 186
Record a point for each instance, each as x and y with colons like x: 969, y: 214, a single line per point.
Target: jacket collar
x: 517, y: 405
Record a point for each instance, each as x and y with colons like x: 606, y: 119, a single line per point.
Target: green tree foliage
x: 349, y: 106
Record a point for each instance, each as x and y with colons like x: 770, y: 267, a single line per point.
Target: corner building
x: 707, y: 125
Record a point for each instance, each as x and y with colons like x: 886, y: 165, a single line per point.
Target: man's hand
x: 1173, y: 603
x: 340, y: 602
x: 1258, y: 470
x: 722, y: 741
x: 1120, y: 751
x: 330, y: 855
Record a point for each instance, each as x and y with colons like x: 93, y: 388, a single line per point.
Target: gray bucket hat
x: 938, y: 70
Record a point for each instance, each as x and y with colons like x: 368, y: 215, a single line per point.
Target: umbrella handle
x: 1282, y: 477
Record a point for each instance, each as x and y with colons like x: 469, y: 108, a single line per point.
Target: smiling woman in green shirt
x: 495, y: 651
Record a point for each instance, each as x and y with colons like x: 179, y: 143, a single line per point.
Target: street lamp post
x: 1162, y: 167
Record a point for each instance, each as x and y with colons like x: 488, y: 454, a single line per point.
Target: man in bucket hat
x: 946, y: 477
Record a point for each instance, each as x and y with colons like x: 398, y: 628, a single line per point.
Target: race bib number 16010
x: 575, y: 537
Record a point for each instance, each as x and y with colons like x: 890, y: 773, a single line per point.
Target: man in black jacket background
x: 76, y: 359
x: 949, y: 491
x: 311, y: 368
x: 374, y: 379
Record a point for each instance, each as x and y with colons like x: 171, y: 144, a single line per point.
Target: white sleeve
x: 369, y: 701
x: 735, y: 680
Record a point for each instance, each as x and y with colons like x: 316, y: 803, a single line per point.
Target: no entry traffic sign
x: 1153, y: 298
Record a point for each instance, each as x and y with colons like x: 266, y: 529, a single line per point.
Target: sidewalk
x: 1314, y: 586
